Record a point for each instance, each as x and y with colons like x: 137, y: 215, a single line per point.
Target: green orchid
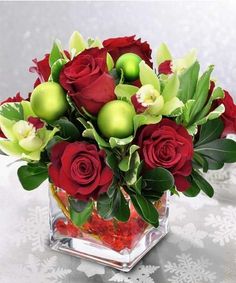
x: 157, y: 99
x: 179, y: 65
x: 77, y: 44
x: 23, y: 139
x: 154, y: 98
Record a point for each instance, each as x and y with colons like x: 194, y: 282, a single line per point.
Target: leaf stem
x: 59, y: 202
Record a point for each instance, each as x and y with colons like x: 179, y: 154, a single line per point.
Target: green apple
x: 48, y: 101
x: 129, y: 63
x: 115, y: 119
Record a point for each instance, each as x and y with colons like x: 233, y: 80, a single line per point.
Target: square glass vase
x: 110, y: 242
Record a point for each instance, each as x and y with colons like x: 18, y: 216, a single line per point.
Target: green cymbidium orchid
x: 179, y: 65
x: 23, y: 138
x: 156, y: 99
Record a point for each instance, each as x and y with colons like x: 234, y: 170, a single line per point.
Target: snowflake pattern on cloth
x: 35, y: 270
x: 91, y: 268
x: 229, y: 272
x: 33, y: 228
x: 177, y: 212
x: 224, y: 225
x: 140, y: 274
x: 188, y: 270
x: 187, y: 236
x: 198, y: 202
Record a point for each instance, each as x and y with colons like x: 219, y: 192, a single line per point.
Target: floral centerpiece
x: 116, y: 135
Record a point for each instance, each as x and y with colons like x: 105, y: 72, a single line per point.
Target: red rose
x: 41, y: 68
x: 121, y: 45
x: 229, y: 116
x: 16, y: 98
x: 79, y: 168
x: 170, y: 146
x: 87, y: 80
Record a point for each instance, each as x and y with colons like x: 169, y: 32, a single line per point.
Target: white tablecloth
x: 201, y: 246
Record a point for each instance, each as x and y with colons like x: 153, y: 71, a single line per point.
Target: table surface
x: 201, y: 245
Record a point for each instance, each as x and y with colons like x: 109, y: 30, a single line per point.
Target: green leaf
x: 218, y: 93
x: 148, y: 76
x: 80, y: 218
x: 132, y: 175
x: 159, y: 179
x: 213, y: 164
x: 116, y: 142
x: 77, y: 205
x: 193, y: 191
x: 125, y: 163
x: 138, y: 185
x: 77, y: 42
x: 112, y: 161
x: 145, y: 119
x: 105, y: 206
x: 55, y: 53
x: 94, y: 42
x: 111, y: 192
x: 12, y: 111
x: 201, y: 94
x: 217, y: 112
x: 202, y: 184
x: 163, y: 54
x: 56, y: 69
x: 110, y: 62
x: 188, y: 82
x: 122, y: 211
x: 187, y: 111
x: 67, y: 130
x: 210, y: 131
x: 32, y: 176
x: 221, y: 150
x: 145, y: 209
x: 125, y: 91
x: 91, y: 133
x: 171, y: 87
x: 152, y: 195
x: 200, y: 161
x: 88, y: 115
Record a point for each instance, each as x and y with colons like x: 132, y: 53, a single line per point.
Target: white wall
x: 28, y: 28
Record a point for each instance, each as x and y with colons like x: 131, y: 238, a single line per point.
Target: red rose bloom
x: 170, y: 146
x: 87, y: 80
x: 229, y: 116
x: 41, y: 68
x: 121, y: 45
x: 16, y: 98
x: 79, y: 168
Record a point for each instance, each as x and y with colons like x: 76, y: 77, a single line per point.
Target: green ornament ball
x: 48, y: 101
x: 129, y: 64
x: 115, y: 119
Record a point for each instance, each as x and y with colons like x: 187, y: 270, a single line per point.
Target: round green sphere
x: 48, y: 101
x: 115, y: 119
x: 129, y: 63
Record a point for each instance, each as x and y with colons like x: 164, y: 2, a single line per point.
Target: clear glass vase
x: 110, y: 242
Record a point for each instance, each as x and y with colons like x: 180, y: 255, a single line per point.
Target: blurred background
x: 27, y: 30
